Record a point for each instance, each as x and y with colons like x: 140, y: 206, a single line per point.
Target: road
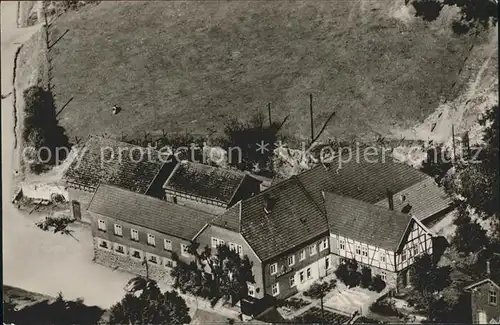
x: 33, y: 259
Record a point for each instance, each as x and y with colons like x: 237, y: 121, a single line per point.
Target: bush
x: 377, y: 283
x: 347, y: 273
x: 41, y: 128
x: 366, y: 277
x: 385, y: 308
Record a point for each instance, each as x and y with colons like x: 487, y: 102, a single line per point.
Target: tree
x: 366, y: 277
x: 256, y: 141
x: 224, y: 274
x: 479, y: 182
x: 378, y: 284
x: 469, y: 236
x: 150, y: 306
x: 427, y: 279
x: 437, y: 163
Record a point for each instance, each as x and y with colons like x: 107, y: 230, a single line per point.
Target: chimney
x: 268, y: 203
x: 488, y: 271
x: 390, y: 199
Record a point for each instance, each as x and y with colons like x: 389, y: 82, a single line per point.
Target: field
x: 190, y: 66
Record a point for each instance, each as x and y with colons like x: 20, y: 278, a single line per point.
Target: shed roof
x: 104, y: 160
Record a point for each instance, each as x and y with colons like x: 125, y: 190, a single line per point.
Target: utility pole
x: 269, y: 113
x: 311, y: 116
x: 322, y: 309
x: 453, y: 139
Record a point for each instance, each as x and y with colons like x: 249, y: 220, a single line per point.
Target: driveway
x: 33, y: 259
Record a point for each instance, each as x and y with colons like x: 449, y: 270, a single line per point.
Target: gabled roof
x: 365, y: 222
x: 363, y: 179
x: 149, y: 212
x: 205, y: 181
x: 100, y: 161
x: 293, y: 220
x: 487, y: 280
x: 231, y: 219
x: 425, y: 199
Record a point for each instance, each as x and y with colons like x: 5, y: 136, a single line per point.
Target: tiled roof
x: 366, y: 180
x: 149, y: 212
x: 205, y: 181
x: 425, y: 199
x: 100, y: 161
x: 230, y: 219
x: 293, y: 219
x: 365, y: 222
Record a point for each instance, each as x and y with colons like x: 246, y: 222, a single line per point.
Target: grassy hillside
x: 190, y: 66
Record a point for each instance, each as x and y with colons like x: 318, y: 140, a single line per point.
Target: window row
x: 134, y: 235
x: 135, y: 253
x: 232, y: 246
x: 323, y: 244
x: 362, y: 251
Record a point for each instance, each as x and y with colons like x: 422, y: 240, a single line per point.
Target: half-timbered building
x: 384, y: 240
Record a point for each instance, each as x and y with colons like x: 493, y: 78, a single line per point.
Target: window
x: 327, y: 263
x: 415, y: 250
x: 153, y: 259
x: 312, y: 249
x: 291, y: 281
x: 403, y: 256
x: 323, y: 244
x: 273, y: 268
x: 151, y: 240
x: 291, y: 260
x: 364, y: 252
x: 493, y: 297
x: 184, y: 250
x: 308, y: 271
x: 382, y: 257
x: 118, y: 230
x: 168, y: 262
x: 302, y: 255
x: 101, y: 225
x: 103, y: 244
x: 342, y: 244
x: 239, y: 249
x: 232, y: 246
x: 120, y: 249
x: 301, y: 277
x: 217, y: 242
x: 134, y: 235
x: 275, y: 289
x: 251, y: 290
x: 383, y: 276
x: 358, y: 250
x: 167, y: 244
x: 136, y: 254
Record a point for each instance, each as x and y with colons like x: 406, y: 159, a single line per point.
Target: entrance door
x: 482, y: 318
x: 77, y: 214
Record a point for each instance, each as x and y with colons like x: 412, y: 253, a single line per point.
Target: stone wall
x: 125, y: 262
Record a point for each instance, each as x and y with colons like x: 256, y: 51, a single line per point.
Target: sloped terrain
x: 189, y: 66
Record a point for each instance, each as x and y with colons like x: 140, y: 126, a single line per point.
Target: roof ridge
x: 152, y: 198
x: 381, y: 208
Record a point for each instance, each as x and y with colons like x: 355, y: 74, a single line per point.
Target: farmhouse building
x: 294, y: 232
x: 284, y: 234
x: 104, y: 160
x: 208, y: 188
x: 384, y: 240
x: 130, y: 227
x: 485, y: 295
